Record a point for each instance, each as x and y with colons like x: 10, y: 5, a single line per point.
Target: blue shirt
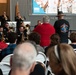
x: 8, y: 50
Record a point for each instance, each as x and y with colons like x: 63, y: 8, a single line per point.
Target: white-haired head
x: 24, y: 56
x: 46, y: 19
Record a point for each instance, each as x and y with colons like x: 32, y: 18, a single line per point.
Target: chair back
x: 5, y: 64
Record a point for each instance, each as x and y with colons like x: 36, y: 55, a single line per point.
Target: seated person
x: 6, y: 30
x: 12, y: 37
x: 62, y: 59
x: 73, y: 40
x: 3, y: 44
x: 34, y: 36
x: 22, y: 34
x: 23, y: 59
x: 1, y: 31
x: 28, y: 29
x: 2, y: 34
x: 55, y: 39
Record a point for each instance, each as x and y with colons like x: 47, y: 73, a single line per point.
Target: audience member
x: 34, y: 36
x: 38, y: 23
x: 6, y: 30
x: 45, y: 30
x: 40, y: 65
x: 6, y: 27
x: 73, y: 40
x: 55, y: 40
x: 1, y: 31
x: 4, y: 18
x: 28, y: 29
x: 23, y: 59
x: 2, y: 35
x: 3, y: 44
x: 62, y: 59
x: 12, y: 37
x: 22, y: 34
x: 62, y: 27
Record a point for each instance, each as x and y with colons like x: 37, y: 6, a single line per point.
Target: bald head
x: 24, y: 56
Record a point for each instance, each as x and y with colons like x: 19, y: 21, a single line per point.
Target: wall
x: 5, y: 6
x: 25, y: 7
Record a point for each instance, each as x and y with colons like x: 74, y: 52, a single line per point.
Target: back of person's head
x: 55, y: 39
x: 34, y: 36
x: 12, y: 36
x: 73, y: 37
x: 24, y: 56
x: 62, y: 59
x: 46, y: 19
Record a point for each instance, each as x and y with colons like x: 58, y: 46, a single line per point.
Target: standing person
x: 19, y: 19
x: 38, y: 23
x: 4, y: 19
x: 12, y: 38
x: 45, y: 30
x: 62, y: 27
x: 23, y: 59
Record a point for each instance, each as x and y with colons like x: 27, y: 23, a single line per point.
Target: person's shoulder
x: 38, y: 26
x: 38, y: 70
x: 63, y: 20
x: 56, y: 22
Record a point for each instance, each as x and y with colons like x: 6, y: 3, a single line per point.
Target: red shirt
x: 45, y: 30
x: 3, y: 45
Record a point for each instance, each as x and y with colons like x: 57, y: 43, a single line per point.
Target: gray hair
x: 46, y: 19
x: 24, y: 56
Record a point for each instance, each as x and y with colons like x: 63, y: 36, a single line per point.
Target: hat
x: 60, y: 13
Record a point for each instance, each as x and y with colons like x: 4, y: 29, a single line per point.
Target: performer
x: 19, y: 19
x: 4, y: 19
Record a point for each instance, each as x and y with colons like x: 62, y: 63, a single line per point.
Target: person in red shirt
x: 45, y: 30
x: 3, y: 45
